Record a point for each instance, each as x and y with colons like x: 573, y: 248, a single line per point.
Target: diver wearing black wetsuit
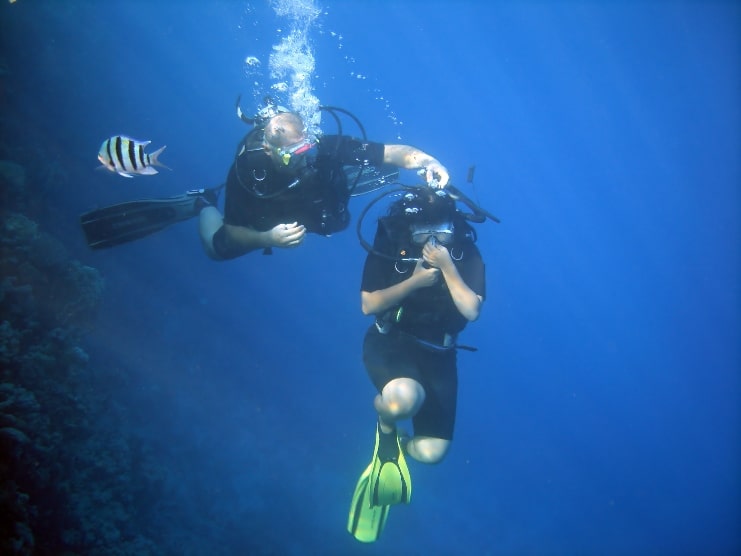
x: 284, y: 184
x: 261, y: 195
x: 416, y: 338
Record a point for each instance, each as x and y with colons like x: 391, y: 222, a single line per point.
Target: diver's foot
x: 389, y: 482
x: 404, y: 438
x: 205, y: 197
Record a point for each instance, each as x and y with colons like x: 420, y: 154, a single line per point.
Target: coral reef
x: 66, y: 481
x: 12, y: 183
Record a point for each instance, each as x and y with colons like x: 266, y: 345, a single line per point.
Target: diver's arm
x: 247, y: 239
x: 378, y: 301
x: 229, y: 241
x: 465, y: 299
x: 411, y: 158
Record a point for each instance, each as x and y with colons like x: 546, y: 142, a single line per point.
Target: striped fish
x: 126, y: 156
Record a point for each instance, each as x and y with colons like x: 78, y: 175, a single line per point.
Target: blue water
x: 600, y: 415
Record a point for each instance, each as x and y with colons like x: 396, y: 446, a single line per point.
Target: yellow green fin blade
x: 365, y: 522
x: 389, y: 482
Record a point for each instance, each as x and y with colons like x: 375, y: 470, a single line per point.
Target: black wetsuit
x: 416, y: 333
x: 261, y: 196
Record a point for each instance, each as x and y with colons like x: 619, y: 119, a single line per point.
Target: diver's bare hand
x: 287, y: 235
x: 436, y: 175
x: 425, y: 276
x: 436, y: 255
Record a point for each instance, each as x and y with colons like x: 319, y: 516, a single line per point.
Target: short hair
x: 284, y: 129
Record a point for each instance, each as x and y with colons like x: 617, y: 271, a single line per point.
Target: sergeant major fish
x: 126, y: 156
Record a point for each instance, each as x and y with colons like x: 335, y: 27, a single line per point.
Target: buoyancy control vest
x: 428, y: 314
x: 315, y: 194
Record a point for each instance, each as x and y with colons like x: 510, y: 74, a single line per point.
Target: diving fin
x: 124, y: 222
x: 365, y: 522
x: 386, y: 481
x: 389, y: 481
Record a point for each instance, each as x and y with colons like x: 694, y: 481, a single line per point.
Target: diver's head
x: 283, y: 129
x: 268, y: 111
x: 285, y: 140
x: 429, y: 213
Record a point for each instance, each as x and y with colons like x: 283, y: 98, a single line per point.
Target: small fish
x: 126, y: 156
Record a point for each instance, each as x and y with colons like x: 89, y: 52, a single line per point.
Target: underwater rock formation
x: 65, y: 479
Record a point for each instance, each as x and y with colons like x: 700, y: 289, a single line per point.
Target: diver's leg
x: 427, y: 449
x: 400, y: 398
x: 434, y: 423
x: 210, y: 221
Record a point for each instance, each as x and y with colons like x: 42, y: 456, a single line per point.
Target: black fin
x: 125, y: 222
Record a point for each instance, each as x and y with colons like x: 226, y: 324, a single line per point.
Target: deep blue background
x: 601, y: 412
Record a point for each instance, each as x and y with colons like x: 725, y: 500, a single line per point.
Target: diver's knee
x: 428, y: 450
x: 403, y: 397
x: 209, y: 220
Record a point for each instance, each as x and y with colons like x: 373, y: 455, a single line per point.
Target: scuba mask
x: 443, y: 233
x: 293, y: 156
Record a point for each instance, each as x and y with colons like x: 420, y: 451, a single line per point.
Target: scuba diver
x: 423, y: 281
x: 282, y: 185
